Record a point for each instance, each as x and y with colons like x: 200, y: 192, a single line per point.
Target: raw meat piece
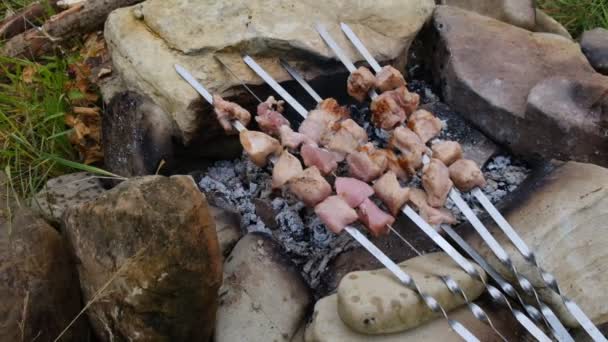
x: 425, y: 124
x: 226, y: 111
x: 359, y: 83
x: 286, y: 167
x: 345, y: 137
x: 386, y: 112
x: 362, y: 166
x: 389, y: 78
x: 323, y: 159
x: 392, y: 194
x: 293, y: 140
x: 376, y: 220
x: 436, y: 182
x: 335, y: 213
x: 269, y: 116
x: 259, y: 146
x: 466, y: 175
x: 447, y: 151
x: 352, y: 190
x: 309, y: 186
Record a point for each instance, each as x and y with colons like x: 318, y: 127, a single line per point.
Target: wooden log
x: 23, y: 19
x: 68, y: 24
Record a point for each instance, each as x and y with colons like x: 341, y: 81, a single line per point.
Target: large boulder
x: 488, y: 71
x: 264, y: 297
x: 150, y: 245
x: 563, y: 218
x: 546, y: 23
x: 515, y: 12
x: 148, y: 39
x: 595, y: 46
x: 39, y: 292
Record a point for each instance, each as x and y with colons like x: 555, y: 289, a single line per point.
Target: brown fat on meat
x: 386, y: 112
x: 226, y: 112
x: 425, y: 124
x: 392, y: 194
x: 259, y: 146
x: 466, y: 175
x: 436, y: 182
x: 287, y: 167
x: 359, y: 83
x: 389, y: 78
x: 447, y: 151
x: 309, y: 186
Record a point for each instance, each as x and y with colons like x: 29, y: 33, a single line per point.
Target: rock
x: 228, y: 228
x: 515, y: 12
x: 137, y: 136
x: 264, y: 298
x: 375, y: 302
x: 326, y: 326
x: 150, y: 242
x: 39, y: 293
x: 487, y: 69
x: 562, y: 218
x: 546, y: 23
x: 148, y: 39
x: 63, y: 192
x: 594, y: 44
x: 579, y: 109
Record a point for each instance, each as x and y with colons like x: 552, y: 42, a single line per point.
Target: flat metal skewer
x: 500, y: 253
x: 408, y: 281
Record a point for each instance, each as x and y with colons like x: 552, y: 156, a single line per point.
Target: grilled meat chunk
x: 374, y: 218
x: 335, y: 213
x: 332, y: 106
x: 359, y: 83
x: 386, y: 112
x: 319, y: 122
x: 345, y: 137
x: 293, y: 140
x: 447, y: 151
x: 323, y: 159
x: 411, y: 148
x: 466, y: 175
x: 352, y: 190
x: 309, y: 186
x: 436, y: 182
x: 425, y: 124
x: 226, y: 111
x: 259, y: 146
x: 432, y: 216
x: 392, y: 194
x: 367, y: 163
x: 405, y: 99
x: 389, y: 78
x: 287, y: 167
x: 269, y: 116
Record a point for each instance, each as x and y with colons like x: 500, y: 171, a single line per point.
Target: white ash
x: 233, y: 185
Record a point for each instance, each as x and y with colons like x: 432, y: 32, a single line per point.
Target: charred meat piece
x: 293, y: 140
x: 436, y: 182
x: 411, y: 148
x: 432, y: 216
x: 359, y: 83
x: 389, y: 78
x: 367, y: 163
x: 376, y: 220
x: 425, y: 124
x: 324, y: 160
x: 269, y: 116
x: 226, y: 111
x: 287, y: 167
x: 259, y: 146
x: 447, y: 151
x: 392, y: 194
x: 352, y: 190
x: 335, y: 213
x: 345, y: 137
x: 466, y: 175
x: 386, y: 112
x: 332, y: 106
x: 309, y: 186
x: 406, y: 100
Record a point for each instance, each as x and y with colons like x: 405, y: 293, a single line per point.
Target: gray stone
x: 595, y: 46
x: 151, y: 244
x: 39, y: 292
x: 63, y: 192
x: 375, y: 302
x: 137, y: 135
x: 515, y: 12
x: 546, y: 23
x: 563, y: 219
x: 487, y: 70
x: 189, y: 33
x: 264, y: 297
x: 228, y: 227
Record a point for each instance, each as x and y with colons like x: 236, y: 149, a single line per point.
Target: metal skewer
x: 405, y: 279
x: 500, y: 253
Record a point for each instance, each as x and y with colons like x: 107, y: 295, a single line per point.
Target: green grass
x: 577, y: 15
x: 10, y: 6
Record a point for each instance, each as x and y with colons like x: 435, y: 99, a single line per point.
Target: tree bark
x: 22, y: 20
x: 68, y: 24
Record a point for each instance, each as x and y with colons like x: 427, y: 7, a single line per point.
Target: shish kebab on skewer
x: 495, y: 293
x: 387, y: 108
x: 452, y: 286
x: 528, y: 255
x: 406, y: 279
